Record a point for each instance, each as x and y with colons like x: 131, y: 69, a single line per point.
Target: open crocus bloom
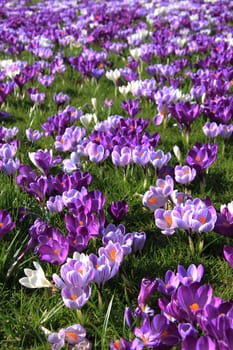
x: 35, y: 278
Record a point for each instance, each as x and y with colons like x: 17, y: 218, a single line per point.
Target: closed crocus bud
x: 118, y: 210
x: 177, y: 153
x: 139, y: 239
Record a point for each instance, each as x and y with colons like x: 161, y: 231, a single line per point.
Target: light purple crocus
x: 158, y: 159
x: 184, y: 174
x: 170, y: 283
x: 75, y: 298
x: 191, y: 275
x: 121, y: 156
x: 33, y: 135
x: 154, y: 199
x: 42, y: 160
x: 211, y: 130
x: 164, y: 220
x: 96, y: 153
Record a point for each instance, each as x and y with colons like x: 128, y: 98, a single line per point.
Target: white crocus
x: 87, y: 118
x: 35, y: 278
x: 113, y: 75
x: 177, y: 153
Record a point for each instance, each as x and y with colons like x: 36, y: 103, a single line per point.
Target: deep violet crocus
x: 6, y: 223
x: 42, y: 160
x: 194, y: 343
x: 118, y: 210
x: 201, y: 156
x: 228, y: 254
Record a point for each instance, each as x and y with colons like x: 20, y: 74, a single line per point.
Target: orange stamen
x: 72, y: 335
x: 194, y: 307
x: 202, y: 220
x: 152, y: 200
x: 168, y: 219
x: 113, y: 255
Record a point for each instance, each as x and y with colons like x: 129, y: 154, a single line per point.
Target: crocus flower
x: 118, y: 210
x: 6, y: 223
x: 211, y: 130
x: 72, y: 335
x: 201, y: 156
x: 153, y: 200
x: 224, y: 223
x: 33, y: 135
x: 147, y: 288
x: 184, y: 174
x: 228, y: 254
x: 191, y: 275
x: 42, y: 160
x: 121, y: 156
x: 75, y: 298
x: 170, y: 283
x: 193, y: 343
x: 164, y: 220
x: 60, y: 98
x: 35, y: 278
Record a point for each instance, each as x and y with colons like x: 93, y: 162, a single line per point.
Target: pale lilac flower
x: 33, y: 135
x: 158, y: 159
x: 211, y: 130
x: 75, y: 298
x: 55, y: 204
x: 164, y: 220
x: 121, y: 156
x: 191, y: 275
x: 184, y: 174
x: 72, y: 335
x: 154, y: 199
x: 96, y: 153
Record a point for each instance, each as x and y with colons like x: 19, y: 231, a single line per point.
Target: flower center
x: 194, y: 307
x: 72, y: 335
x: 113, y: 255
x: 202, y: 220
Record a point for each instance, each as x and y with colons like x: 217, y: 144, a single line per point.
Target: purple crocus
x: 201, y: 156
x: 131, y: 106
x: 75, y: 298
x: 121, y: 156
x: 185, y: 113
x: 6, y: 223
x: 118, y: 210
x: 60, y: 98
x: 33, y: 135
x: 191, y: 275
x: 42, y: 160
x: 72, y: 335
x: 194, y: 343
x: 170, y: 283
x: 184, y: 174
x: 228, y: 254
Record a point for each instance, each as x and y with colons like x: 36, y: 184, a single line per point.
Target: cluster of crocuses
x: 8, y: 149
x: 185, y: 213
x: 190, y: 315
